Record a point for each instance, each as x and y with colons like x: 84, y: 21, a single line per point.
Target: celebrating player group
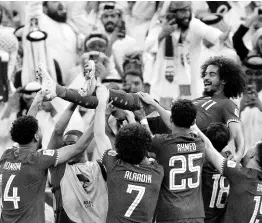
x: 190, y: 175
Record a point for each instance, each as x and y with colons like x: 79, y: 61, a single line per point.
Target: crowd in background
x: 136, y: 45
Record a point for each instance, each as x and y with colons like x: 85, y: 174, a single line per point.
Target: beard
x: 182, y: 24
x: 57, y: 17
x: 209, y: 93
x: 110, y: 27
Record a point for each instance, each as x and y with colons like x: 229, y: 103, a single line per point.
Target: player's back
x: 215, y: 190
x: 23, y: 176
x: 132, y: 190
x: 244, y: 202
x: 182, y: 157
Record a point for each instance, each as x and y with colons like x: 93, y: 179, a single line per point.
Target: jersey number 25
x: 187, y: 163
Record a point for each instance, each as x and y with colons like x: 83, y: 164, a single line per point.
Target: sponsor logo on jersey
x: 186, y: 147
x: 12, y: 166
x: 49, y: 152
x: 231, y: 164
x: 237, y: 112
x: 88, y: 204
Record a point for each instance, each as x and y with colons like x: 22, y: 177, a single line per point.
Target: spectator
x: 238, y: 41
x: 182, y: 35
x: 251, y: 102
x: 63, y: 40
x: 115, y: 28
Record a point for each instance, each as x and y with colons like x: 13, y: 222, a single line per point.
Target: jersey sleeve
x: 46, y: 158
x: 109, y: 159
x: 155, y: 145
x: 230, y: 112
x: 233, y: 171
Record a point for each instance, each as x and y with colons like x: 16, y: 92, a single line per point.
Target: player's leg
x: 120, y: 98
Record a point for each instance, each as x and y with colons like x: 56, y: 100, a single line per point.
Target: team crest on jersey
x: 231, y: 164
x: 237, y: 112
x: 49, y: 152
x: 112, y: 152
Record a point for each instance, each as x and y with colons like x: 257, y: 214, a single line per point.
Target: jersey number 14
x: 14, y: 198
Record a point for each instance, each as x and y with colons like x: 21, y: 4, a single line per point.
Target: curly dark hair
x: 230, y: 72
x: 23, y: 129
x: 132, y: 143
x: 219, y: 135
x: 183, y: 113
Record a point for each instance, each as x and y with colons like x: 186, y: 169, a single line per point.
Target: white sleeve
x: 206, y: 32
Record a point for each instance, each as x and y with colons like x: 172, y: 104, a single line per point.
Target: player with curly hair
x: 23, y: 168
x: 223, y: 79
x: 133, y: 180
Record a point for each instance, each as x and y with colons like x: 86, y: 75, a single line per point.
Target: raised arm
x: 56, y: 140
x: 67, y: 152
x: 165, y: 114
x: 34, y: 108
x: 212, y: 154
x: 102, y: 140
x: 237, y: 134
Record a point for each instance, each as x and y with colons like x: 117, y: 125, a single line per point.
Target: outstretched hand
x: 102, y: 94
x: 147, y: 98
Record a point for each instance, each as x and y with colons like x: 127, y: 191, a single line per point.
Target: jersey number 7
x: 14, y: 198
x: 186, y: 165
x: 141, y: 192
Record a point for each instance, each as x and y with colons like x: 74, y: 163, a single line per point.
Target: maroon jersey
x: 132, y: 189
x: 24, y: 175
x: 215, y: 109
x: 182, y: 157
x: 215, y: 190
x: 244, y: 201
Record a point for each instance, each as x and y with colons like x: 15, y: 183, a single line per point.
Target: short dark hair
x: 24, y: 129
x: 183, y: 113
x: 219, y: 135
x: 74, y: 132
x: 230, y: 72
x: 132, y: 143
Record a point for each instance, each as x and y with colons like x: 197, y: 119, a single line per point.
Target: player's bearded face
x: 212, y: 82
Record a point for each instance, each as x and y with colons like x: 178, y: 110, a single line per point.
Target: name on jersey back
x: 133, y: 176
x: 12, y: 166
x: 186, y: 147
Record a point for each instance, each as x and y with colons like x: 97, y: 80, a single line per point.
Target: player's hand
x: 41, y: 96
x: 237, y: 158
x: 109, y: 109
x: 101, y: 70
x: 140, y: 114
x: 130, y: 116
x: 167, y: 28
x: 102, y: 94
x: 147, y: 98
